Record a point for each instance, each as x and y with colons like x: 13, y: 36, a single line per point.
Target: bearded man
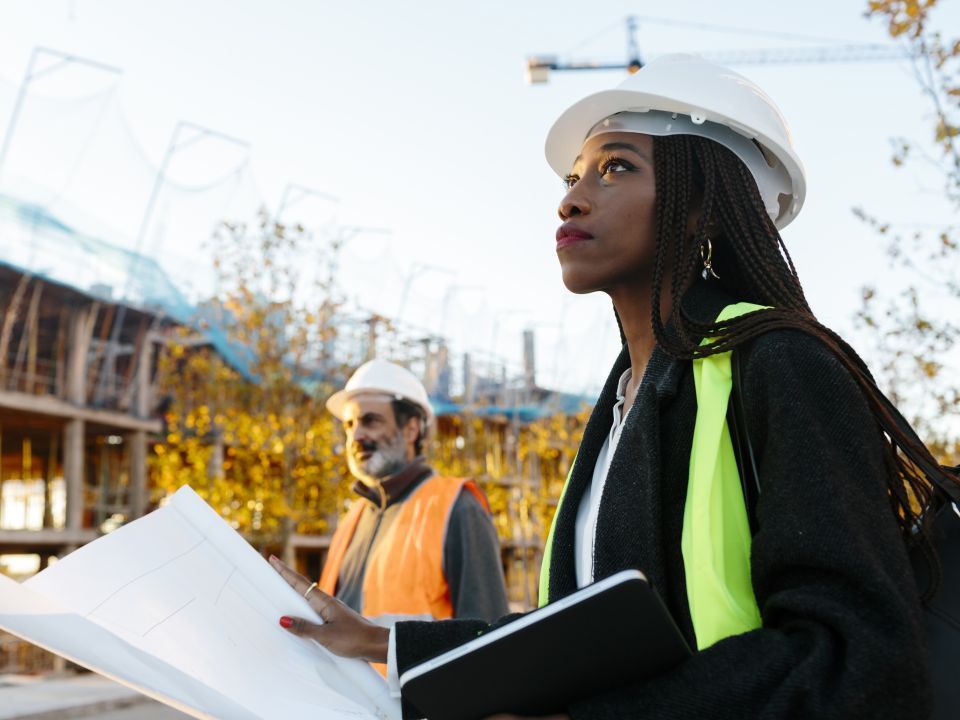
x: 414, y: 544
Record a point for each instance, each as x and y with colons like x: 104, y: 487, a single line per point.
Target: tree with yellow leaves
x: 522, y: 468
x: 915, y: 333
x: 251, y: 435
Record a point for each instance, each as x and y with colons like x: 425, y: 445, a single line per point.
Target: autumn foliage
x: 246, y: 425
x: 246, y: 428
x: 914, y: 331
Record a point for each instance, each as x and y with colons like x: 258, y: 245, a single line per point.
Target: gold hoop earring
x: 706, y: 255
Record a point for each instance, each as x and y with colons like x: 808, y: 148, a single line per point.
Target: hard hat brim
x: 336, y: 402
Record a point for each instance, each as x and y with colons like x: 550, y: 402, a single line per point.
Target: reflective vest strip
x: 543, y: 597
x: 716, y: 531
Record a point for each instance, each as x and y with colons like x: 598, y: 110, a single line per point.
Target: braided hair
x: 754, y: 265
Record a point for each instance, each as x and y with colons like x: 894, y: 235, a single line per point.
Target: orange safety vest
x: 404, y: 575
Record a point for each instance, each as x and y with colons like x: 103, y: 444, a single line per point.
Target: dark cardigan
x: 841, y: 635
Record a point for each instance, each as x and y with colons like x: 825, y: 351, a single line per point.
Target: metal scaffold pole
x: 32, y: 74
x: 175, y: 145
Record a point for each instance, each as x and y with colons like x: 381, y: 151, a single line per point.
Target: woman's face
x: 608, y: 232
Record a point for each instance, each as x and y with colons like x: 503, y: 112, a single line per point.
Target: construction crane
x: 538, y: 67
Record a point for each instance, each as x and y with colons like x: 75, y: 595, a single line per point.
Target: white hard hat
x: 380, y: 376
x: 685, y: 94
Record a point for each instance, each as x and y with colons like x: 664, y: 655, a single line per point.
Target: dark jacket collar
x: 395, y: 486
x: 705, y: 299
x: 702, y: 302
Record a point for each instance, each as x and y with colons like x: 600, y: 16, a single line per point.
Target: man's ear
x: 411, y: 430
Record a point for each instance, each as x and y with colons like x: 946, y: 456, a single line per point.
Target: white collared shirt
x: 587, y: 512
x: 589, y: 509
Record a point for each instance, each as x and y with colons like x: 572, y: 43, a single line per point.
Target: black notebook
x: 605, y: 635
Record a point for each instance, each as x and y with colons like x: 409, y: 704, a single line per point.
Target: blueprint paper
x: 180, y: 607
x: 34, y: 618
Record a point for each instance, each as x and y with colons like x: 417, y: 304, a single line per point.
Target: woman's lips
x: 569, y: 235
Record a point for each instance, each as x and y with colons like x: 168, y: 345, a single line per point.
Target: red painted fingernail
x: 286, y: 622
x: 274, y: 557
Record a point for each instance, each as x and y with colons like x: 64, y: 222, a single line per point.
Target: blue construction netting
x: 33, y: 240
x: 556, y: 404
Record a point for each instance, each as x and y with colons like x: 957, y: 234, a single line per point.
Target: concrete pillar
x: 48, y: 476
x: 137, y: 491
x: 429, y: 367
x: 218, y: 453
x: 529, y: 361
x: 144, y: 366
x: 443, y: 371
x: 73, y: 435
x: 78, y: 344
x: 137, y: 440
x: 469, y: 381
x: 372, y: 324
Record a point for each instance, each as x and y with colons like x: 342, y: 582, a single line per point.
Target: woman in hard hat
x: 677, y: 184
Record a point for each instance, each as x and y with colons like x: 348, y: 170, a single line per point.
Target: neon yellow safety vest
x: 716, y: 531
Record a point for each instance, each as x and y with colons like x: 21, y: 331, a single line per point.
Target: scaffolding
x: 86, y: 311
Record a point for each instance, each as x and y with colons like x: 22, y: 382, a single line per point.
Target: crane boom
x: 538, y: 68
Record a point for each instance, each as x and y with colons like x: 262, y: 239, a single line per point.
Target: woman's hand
x: 343, y: 631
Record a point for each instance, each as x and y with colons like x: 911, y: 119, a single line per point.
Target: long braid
x: 671, y: 206
x: 754, y: 264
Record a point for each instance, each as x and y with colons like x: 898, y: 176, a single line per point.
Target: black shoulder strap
x: 742, y: 449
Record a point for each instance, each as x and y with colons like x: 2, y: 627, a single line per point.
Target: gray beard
x: 388, y: 459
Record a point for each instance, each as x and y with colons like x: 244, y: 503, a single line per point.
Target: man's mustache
x: 365, y: 446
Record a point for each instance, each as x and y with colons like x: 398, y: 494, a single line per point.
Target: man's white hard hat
x: 380, y: 376
x: 685, y: 94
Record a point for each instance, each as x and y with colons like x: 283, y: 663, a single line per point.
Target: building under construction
x: 76, y: 408
x: 81, y: 409
x: 87, y: 312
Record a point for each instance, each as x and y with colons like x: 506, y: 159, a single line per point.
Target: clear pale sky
x: 416, y: 116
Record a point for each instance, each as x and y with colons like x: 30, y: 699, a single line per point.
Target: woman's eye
x: 614, y: 166
x: 569, y: 181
